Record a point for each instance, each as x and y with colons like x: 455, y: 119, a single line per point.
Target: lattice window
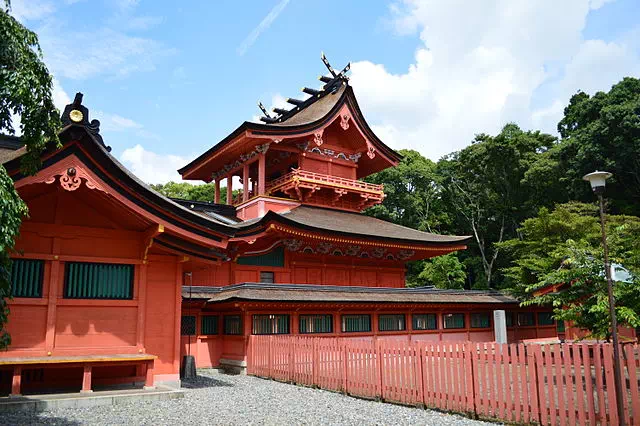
x: 425, y: 322
x: 270, y: 324
x: 27, y: 277
x: 391, y: 322
x: 316, y: 324
x: 209, y: 324
x: 453, y: 321
x: 232, y: 324
x: 526, y: 318
x: 480, y: 320
x: 98, y: 281
x: 187, y: 325
x: 356, y: 323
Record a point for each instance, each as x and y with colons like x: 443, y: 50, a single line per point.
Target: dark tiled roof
x: 357, y: 224
x: 325, y: 293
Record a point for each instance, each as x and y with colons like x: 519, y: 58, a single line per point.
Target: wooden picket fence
x: 551, y: 384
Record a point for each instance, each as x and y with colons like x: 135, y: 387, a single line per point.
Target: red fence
x: 560, y: 384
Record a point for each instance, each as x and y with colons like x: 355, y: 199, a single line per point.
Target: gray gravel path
x: 215, y: 399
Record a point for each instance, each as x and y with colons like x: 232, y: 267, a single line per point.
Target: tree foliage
x: 25, y: 94
x: 443, y: 272
x: 189, y: 191
x: 564, y: 246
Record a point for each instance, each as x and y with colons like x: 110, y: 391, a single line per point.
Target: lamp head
x: 597, y: 180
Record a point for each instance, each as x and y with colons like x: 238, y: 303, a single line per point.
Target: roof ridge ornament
x: 77, y: 114
x: 331, y: 84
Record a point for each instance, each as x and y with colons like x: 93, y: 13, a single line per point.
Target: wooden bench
x: 86, y: 361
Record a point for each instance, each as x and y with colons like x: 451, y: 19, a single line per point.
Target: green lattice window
x: 480, y: 320
x: 209, y: 324
x: 561, y: 328
x: 232, y: 324
x: 545, y: 318
x: 270, y: 324
x: 453, y: 321
x: 98, y: 281
x: 391, y: 322
x: 356, y: 323
x: 508, y: 316
x: 26, y: 277
x: 425, y: 322
x: 316, y: 324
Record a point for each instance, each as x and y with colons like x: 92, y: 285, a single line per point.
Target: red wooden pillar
x: 86, y: 379
x: 148, y: 381
x: 261, y: 174
x: 245, y: 182
x: 16, y: 383
x: 229, y: 190
x: 217, y: 191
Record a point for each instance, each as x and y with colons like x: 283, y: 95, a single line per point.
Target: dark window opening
x: 26, y: 277
x: 98, y: 281
x: 316, y: 324
x: 545, y: 318
x: 425, y: 322
x: 188, y: 325
x: 209, y: 324
x: 453, y: 321
x: 525, y: 318
x: 270, y: 324
x: 480, y: 320
x: 391, y: 322
x: 356, y: 323
x: 232, y: 325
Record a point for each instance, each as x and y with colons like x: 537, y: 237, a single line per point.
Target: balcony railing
x: 332, y: 181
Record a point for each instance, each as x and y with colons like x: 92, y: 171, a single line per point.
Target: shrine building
x: 113, y: 282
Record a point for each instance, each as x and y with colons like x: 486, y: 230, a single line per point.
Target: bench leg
x: 86, y: 379
x: 16, y: 384
x: 148, y: 383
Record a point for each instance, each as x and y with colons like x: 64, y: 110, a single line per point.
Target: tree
x: 487, y: 195
x: 25, y: 93
x: 563, y: 246
x: 412, y: 199
x: 189, y: 191
x: 443, y: 272
x: 603, y: 132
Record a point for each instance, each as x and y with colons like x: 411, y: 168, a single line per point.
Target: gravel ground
x: 215, y: 399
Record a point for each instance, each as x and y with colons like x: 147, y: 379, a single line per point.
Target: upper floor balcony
x: 326, y: 190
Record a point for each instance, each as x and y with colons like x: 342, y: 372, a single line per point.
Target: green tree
x: 564, y: 246
x: 486, y: 193
x: 25, y: 93
x: 189, y: 191
x: 603, y: 132
x: 443, y: 272
x: 412, y: 199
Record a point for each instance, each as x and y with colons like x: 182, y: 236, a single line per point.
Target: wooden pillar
x: 245, y: 183
x: 261, y: 174
x: 217, y: 191
x: 142, y: 298
x: 148, y: 381
x: 86, y: 379
x: 16, y: 384
x: 177, y: 343
x: 229, y: 189
x: 54, y: 278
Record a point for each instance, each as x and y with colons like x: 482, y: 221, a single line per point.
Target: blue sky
x: 169, y: 79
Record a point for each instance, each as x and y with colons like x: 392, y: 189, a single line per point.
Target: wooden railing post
x: 270, y: 358
x: 380, y: 363
x: 472, y: 386
x: 417, y: 350
x: 344, y: 366
x: 291, y: 360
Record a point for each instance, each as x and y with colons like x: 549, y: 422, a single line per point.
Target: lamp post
x: 597, y: 180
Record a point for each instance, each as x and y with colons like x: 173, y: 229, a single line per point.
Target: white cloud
x: 24, y: 10
x: 475, y: 71
x: 151, y: 167
x: 262, y: 26
x: 277, y: 101
x: 60, y: 97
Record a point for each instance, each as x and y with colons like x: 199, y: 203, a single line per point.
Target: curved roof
x: 349, y: 224
x: 311, y: 117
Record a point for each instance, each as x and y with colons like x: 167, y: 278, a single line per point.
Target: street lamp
x: 597, y: 180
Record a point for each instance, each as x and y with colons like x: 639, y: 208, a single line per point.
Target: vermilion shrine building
x: 114, y: 282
